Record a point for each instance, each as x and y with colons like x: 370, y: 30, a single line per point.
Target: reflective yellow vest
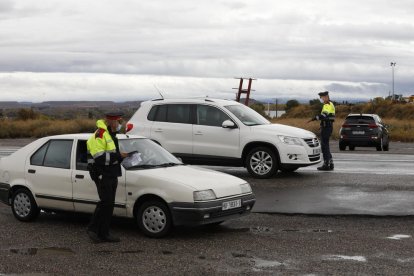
x: 328, y: 110
x: 101, y: 142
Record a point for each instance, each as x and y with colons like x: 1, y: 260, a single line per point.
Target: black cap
x: 114, y: 115
x: 321, y: 94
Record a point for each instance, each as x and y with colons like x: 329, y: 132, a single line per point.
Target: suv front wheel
x: 261, y: 162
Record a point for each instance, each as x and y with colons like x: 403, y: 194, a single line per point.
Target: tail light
x: 345, y: 125
x: 129, y: 126
x: 372, y: 126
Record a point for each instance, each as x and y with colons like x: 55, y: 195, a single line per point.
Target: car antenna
x: 159, y: 91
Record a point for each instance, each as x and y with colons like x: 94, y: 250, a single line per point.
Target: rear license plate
x: 231, y: 204
x: 316, y: 151
x: 358, y: 132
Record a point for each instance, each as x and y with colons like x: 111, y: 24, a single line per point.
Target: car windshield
x: 246, y: 115
x: 359, y: 120
x: 145, y: 153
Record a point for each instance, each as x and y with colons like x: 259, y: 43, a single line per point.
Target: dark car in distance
x: 364, y: 130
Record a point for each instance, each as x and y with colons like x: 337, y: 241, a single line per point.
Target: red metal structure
x: 244, y: 91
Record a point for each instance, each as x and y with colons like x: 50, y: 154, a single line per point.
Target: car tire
x: 261, y: 162
x: 342, y: 146
x: 380, y: 146
x: 351, y: 147
x: 154, y: 219
x: 24, y: 206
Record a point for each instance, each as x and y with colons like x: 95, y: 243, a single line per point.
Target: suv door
x: 173, y: 128
x: 85, y: 194
x: 48, y: 172
x: 210, y: 139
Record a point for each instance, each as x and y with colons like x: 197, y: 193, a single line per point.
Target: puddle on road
x: 42, y: 251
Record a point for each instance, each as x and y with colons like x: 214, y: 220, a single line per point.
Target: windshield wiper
x: 171, y: 164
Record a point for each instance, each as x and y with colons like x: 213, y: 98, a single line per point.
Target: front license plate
x: 358, y: 132
x: 231, y: 204
x: 316, y: 151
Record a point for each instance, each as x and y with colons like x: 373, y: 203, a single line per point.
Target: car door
x: 48, y: 172
x: 85, y: 194
x: 173, y: 129
x: 385, y: 134
x: 210, y: 139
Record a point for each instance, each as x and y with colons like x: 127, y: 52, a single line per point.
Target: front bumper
x: 200, y: 213
x: 4, y: 193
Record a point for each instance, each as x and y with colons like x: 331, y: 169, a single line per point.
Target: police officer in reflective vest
x: 105, y: 168
x: 327, y: 118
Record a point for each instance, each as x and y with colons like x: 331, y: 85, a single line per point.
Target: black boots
x: 327, y: 166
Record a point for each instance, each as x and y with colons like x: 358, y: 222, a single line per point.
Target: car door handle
x: 31, y: 171
x: 198, y: 133
x: 158, y: 130
x: 80, y: 176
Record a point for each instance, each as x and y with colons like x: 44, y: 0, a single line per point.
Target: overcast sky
x: 119, y: 50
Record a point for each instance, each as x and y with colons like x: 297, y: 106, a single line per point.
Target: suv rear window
x: 172, y: 113
x: 360, y: 120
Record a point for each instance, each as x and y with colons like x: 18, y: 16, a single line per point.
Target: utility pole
x: 244, y: 91
x: 393, y: 66
x: 276, y: 107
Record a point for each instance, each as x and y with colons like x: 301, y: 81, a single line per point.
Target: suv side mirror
x: 228, y: 124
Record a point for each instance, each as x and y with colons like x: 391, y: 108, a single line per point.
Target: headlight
x: 290, y: 140
x: 245, y: 188
x: 204, y: 195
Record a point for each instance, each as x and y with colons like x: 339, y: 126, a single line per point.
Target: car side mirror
x: 228, y: 124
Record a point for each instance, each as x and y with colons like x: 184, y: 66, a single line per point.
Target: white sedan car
x: 159, y: 192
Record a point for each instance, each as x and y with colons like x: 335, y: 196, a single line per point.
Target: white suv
x: 224, y: 133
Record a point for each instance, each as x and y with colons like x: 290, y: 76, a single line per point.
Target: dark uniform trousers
x: 101, y: 219
x: 326, y: 132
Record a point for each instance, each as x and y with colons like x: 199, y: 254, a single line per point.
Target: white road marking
x: 399, y: 237
x: 344, y: 258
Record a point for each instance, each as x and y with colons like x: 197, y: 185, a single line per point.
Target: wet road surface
x: 305, y: 223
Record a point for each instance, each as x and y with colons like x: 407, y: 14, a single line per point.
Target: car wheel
x: 24, y: 206
x: 351, y: 147
x: 154, y: 219
x: 261, y: 162
x: 342, y: 146
x: 380, y: 146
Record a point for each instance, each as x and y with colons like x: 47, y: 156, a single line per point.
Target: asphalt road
x: 305, y: 223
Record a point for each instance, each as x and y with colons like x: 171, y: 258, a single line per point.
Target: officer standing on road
x: 105, y: 168
x: 327, y: 118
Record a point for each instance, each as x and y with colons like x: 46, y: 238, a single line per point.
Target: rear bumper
x: 362, y: 142
x: 199, y: 213
x: 4, y: 193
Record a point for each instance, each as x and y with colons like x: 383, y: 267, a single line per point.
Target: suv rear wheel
x: 342, y: 146
x: 261, y: 162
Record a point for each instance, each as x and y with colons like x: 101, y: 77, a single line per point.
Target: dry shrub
x: 40, y: 128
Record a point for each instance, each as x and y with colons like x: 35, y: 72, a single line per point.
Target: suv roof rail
x: 208, y: 100
x: 160, y: 99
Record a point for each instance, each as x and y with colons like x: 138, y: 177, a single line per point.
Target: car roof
x: 220, y: 102
x: 85, y: 136
x: 367, y: 115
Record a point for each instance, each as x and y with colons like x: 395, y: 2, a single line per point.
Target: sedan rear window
x: 359, y: 120
x: 55, y: 154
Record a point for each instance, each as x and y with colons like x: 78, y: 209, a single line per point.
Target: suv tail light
x: 129, y: 126
x: 372, y: 126
x: 345, y: 125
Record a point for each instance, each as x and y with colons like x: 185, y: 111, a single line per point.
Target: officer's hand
x: 124, y: 154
